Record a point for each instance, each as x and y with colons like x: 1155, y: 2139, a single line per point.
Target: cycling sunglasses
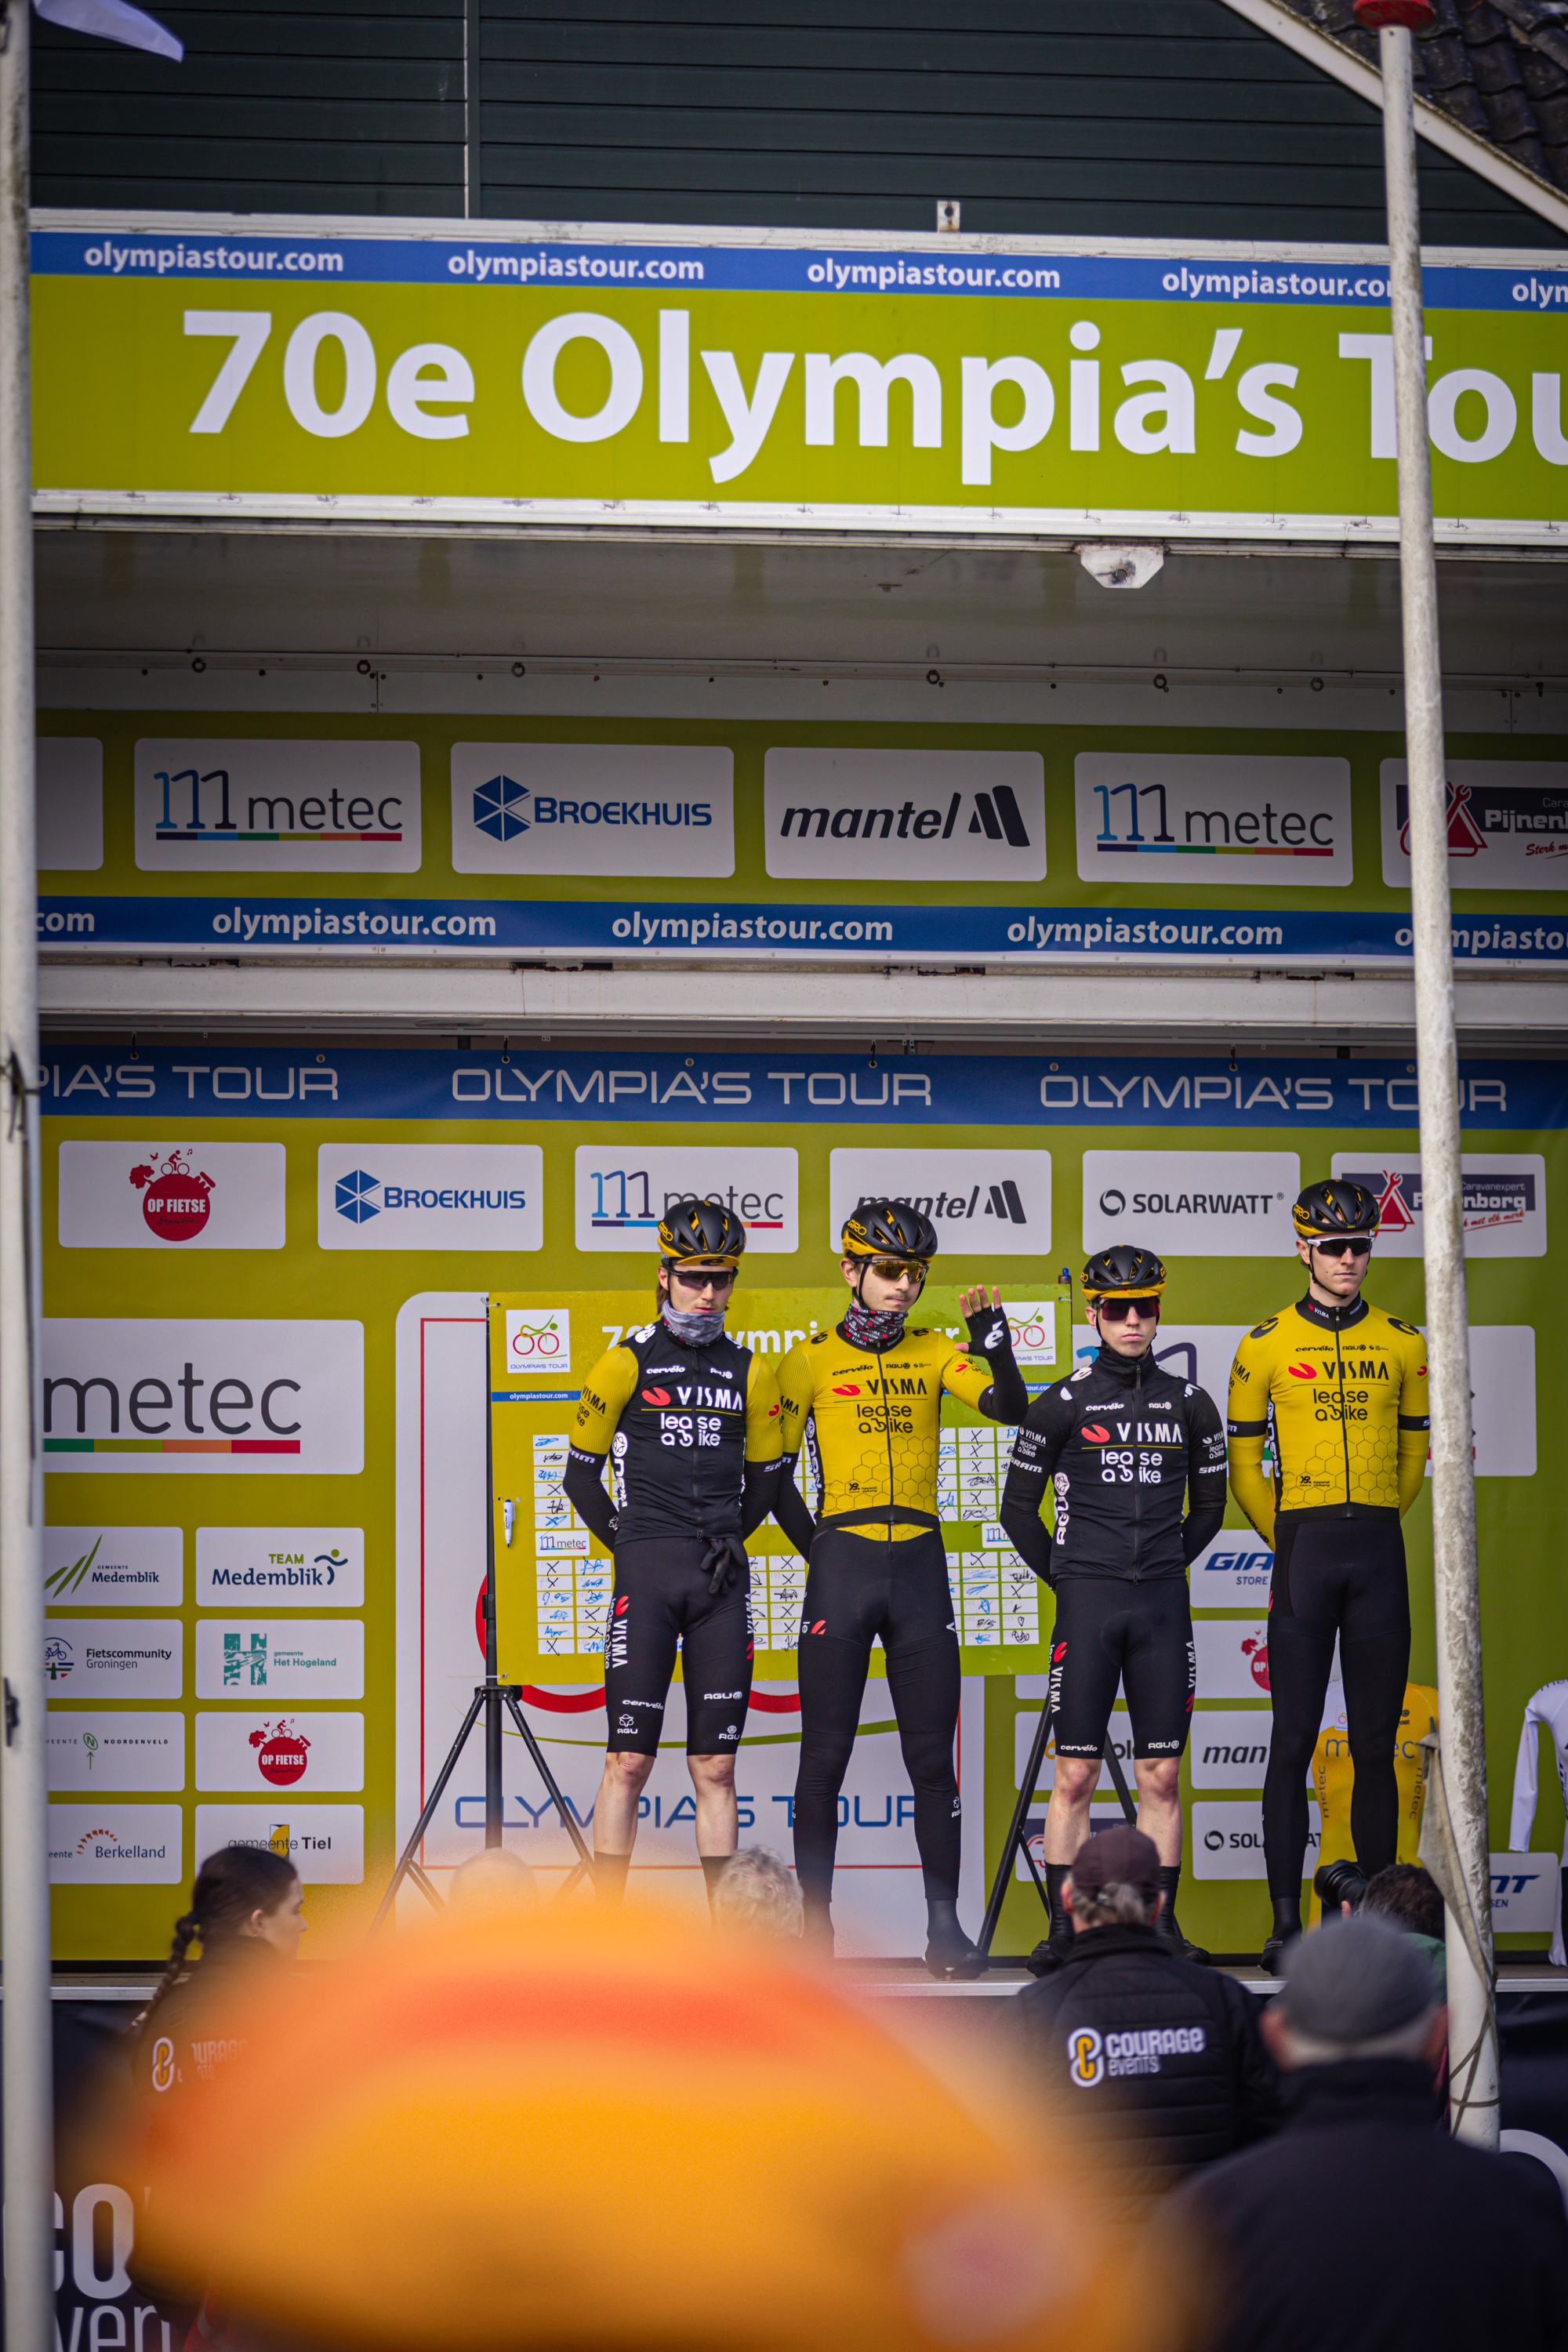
x: 893, y: 1269
x: 1117, y: 1311
x: 1359, y: 1247
x: 704, y: 1277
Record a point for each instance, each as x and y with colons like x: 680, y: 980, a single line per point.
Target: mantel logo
x: 594, y: 808
x: 431, y: 1196
x: 1507, y: 825
x: 172, y: 1195
x: 1161, y: 818
x: 198, y: 1396
x: 936, y: 816
x: 1504, y: 1196
x: 996, y: 1202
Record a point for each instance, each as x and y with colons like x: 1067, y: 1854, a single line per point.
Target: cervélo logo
x: 169, y: 1195
x: 199, y: 1396
x: 911, y: 816
x: 593, y: 808
x: 1504, y: 1202
x: 430, y: 1196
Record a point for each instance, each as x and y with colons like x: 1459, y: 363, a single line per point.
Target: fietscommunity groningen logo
x: 499, y: 811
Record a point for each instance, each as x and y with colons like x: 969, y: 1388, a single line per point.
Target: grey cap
x: 1356, y: 1980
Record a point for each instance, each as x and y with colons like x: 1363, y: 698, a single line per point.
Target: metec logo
x: 196, y: 1396
x: 949, y: 816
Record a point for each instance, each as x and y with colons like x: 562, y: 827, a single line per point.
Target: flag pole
x: 1472, y: 2023
x: 26, y: 2037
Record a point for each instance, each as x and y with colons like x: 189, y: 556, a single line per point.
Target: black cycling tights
x: 856, y: 1588
x: 1345, y: 1576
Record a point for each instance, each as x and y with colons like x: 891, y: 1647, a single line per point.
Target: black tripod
x: 1017, y: 1844
x: 490, y: 1697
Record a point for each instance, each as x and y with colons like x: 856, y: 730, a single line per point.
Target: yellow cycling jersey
x: 1333, y: 1781
x: 1348, y: 1404
x: 869, y: 1423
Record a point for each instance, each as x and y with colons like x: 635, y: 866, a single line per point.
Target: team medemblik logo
x: 499, y: 810
x: 175, y: 1204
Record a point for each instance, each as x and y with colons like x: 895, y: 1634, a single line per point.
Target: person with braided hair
x: 248, y: 1914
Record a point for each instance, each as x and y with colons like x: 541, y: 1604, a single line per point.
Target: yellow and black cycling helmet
x: 890, y: 1229
x: 1124, y: 1271
x: 1333, y: 1209
x: 707, y: 1229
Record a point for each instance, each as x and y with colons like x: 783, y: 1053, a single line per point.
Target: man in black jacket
x: 1159, y: 2061
x: 1121, y: 1445
x: 1361, y: 2227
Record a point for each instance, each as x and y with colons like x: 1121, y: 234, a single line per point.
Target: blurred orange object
x: 529, y: 2132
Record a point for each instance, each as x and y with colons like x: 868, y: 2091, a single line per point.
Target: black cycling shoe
x: 1182, y: 1946
x: 1051, y: 1952
x: 951, y: 1958
x: 1273, y: 1959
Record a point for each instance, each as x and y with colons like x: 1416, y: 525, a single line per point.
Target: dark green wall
x: 1083, y: 117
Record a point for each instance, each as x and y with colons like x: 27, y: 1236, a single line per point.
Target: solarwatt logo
x: 497, y: 808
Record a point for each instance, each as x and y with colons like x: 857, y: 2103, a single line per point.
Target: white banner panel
x: 259, y: 1753
x: 1508, y: 830
x: 987, y: 1203
x: 1504, y: 1197
x: 594, y: 808
x: 1229, y: 1748
x: 116, y: 1845
x: 70, y: 804
x: 204, y: 1397
x: 1191, y: 1203
x: 293, y: 1567
x: 267, y: 805
x: 170, y: 1197
x: 114, y: 1748
x: 280, y: 1658
x: 430, y: 1196
x: 1232, y: 1657
x: 131, y: 1568
x: 1524, y: 1894
x: 325, y: 1842
x: 905, y: 816
x: 1236, y: 1570
x: 1186, y: 817
x: 624, y: 1189
x: 114, y: 1657
x: 1227, y: 1840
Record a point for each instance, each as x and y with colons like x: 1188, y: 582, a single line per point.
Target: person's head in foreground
x: 757, y: 1895
x: 244, y: 1896
x: 1115, y: 1880
x: 1361, y: 1990
x: 414, y: 2160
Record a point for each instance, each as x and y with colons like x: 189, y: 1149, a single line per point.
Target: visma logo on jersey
x: 594, y: 808
x: 622, y: 1193
x: 905, y: 816
x: 430, y: 1196
x: 1181, y: 818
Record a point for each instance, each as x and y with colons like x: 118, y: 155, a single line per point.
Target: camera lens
x: 1337, y: 1883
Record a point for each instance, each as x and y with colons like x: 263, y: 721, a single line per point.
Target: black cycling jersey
x: 1124, y: 1443
x: 686, y: 1430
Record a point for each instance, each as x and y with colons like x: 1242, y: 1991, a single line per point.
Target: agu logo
x: 497, y: 808
x: 1086, y: 2057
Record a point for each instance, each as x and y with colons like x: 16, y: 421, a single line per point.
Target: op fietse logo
x: 168, y: 1194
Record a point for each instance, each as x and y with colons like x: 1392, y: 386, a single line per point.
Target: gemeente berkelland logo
x: 175, y: 1204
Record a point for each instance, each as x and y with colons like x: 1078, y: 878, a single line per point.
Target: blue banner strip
x: 598, y: 927
x: 260, y: 258
x: 775, y: 1086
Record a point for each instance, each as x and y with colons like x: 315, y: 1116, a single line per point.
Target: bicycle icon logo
x: 535, y: 1342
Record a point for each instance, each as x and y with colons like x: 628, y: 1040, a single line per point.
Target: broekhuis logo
x: 593, y: 808
x: 413, y: 1196
x: 947, y: 816
x: 205, y: 1396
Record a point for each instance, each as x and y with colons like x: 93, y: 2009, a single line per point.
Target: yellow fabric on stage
x: 1333, y: 1782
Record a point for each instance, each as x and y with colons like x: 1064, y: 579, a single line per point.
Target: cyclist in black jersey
x: 688, y: 1422
x: 1122, y: 1446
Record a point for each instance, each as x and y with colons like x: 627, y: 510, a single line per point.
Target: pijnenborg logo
x: 281, y: 1753
x: 497, y: 808
x: 353, y: 1196
x: 175, y: 1204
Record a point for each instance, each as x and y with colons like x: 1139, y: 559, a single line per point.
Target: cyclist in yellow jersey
x: 1343, y: 1388
x: 1333, y: 1781
x: 864, y: 1400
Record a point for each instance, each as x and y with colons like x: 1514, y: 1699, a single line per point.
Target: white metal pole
x: 1472, y: 2031
x: 29, y: 2123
